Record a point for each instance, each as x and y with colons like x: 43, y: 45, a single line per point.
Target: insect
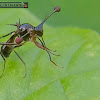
x: 24, y: 33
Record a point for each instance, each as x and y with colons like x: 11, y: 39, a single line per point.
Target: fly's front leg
x: 38, y: 44
x: 49, y: 50
x: 43, y: 43
x: 44, y: 48
x: 8, y: 34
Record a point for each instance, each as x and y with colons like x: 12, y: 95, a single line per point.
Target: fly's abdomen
x: 6, y: 50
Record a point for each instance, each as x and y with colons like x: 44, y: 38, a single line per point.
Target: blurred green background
x: 79, y: 50
x: 75, y: 13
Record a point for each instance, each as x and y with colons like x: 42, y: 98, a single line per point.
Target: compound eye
x: 21, y: 29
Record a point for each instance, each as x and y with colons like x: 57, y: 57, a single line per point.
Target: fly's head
x: 25, y: 31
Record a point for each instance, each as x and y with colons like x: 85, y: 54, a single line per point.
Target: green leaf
x: 79, y: 50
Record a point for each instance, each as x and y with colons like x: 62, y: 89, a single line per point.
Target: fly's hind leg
x: 4, y: 63
x: 21, y: 61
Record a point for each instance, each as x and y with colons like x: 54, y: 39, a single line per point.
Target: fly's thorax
x: 39, y: 33
x: 27, y: 27
x: 25, y: 30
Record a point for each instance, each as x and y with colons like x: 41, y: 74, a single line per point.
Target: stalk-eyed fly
x: 24, y: 33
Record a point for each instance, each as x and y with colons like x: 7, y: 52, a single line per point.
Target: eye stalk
x: 40, y: 26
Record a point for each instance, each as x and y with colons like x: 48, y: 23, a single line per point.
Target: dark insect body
x: 24, y: 33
